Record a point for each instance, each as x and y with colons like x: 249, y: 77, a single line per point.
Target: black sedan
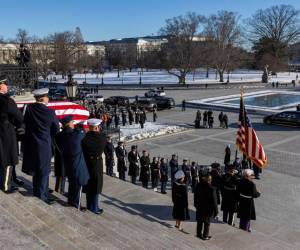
x: 163, y: 102
x: 290, y: 118
x: 117, y: 100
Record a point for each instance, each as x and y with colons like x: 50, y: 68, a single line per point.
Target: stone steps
x: 133, y: 218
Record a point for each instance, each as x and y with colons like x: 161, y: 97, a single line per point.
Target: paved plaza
x: 278, y: 207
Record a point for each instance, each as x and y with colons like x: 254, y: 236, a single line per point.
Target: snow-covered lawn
x: 134, y: 132
x: 162, y: 77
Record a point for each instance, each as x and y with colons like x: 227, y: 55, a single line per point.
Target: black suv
x: 164, y: 102
x: 117, y: 100
x: 144, y: 103
x: 291, y: 118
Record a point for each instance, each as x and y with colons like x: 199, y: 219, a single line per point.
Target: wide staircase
x: 133, y: 218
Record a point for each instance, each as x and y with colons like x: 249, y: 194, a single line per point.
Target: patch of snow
x: 135, y: 132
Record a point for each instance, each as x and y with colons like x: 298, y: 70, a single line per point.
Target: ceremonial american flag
x: 247, y: 140
x: 63, y: 109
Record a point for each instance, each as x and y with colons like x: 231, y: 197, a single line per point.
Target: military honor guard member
x: 93, y: 145
x: 41, y: 126
x: 68, y: 142
x: 163, y: 175
x: 109, y: 151
x: 133, y: 159
x: 145, y: 169
x: 121, y: 154
x: 229, y: 195
x: 10, y: 120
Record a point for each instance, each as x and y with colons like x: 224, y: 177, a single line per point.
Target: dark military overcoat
x: 41, y: 125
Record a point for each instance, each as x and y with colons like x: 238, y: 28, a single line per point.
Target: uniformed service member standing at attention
x: 68, y: 142
x: 41, y: 125
x: 133, y: 158
x: 109, y: 156
x: 121, y: 154
x: 93, y: 145
x: 10, y: 120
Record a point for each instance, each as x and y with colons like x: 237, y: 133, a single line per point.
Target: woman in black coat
x: 247, y: 192
x: 145, y: 169
x: 180, y: 200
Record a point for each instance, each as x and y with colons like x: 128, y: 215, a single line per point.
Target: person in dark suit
x: 205, y: 201
x: 130, y: 116
x: 133, y: 158
x: 68, y: 142
x: 121, y: 154
x: 174, y: 167
x: 109, y: 156
x: 180, y: 200
x: 145, y: 169
x: 247, y: 191
x: 227, y: 156
x: 10, y: 119
x: 93, y: 145
x: 155, y: 165
x: 229, y: 195
x: 41, y: 125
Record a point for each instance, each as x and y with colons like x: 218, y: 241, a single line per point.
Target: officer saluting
x: 10, y: 118
x: 68, y: 142
x: 41, y: 126
x: 93, y: 145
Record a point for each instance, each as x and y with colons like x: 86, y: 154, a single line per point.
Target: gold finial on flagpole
x: 242, y: 90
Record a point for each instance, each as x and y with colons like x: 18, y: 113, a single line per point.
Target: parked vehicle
x: 94, y: 98
x: 117, y: 100
x: 155, y: 92
x: 290, y: 118
x: 148, y: 104
x: 163, y: 102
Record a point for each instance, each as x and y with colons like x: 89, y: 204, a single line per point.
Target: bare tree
x: 130, y: 55
x: 22, y: 37
x: 42, y: 54
x: 179, y: 56
x: 115, y: 55
x: 223, y: 32
x: 67, y: 51
x: 272, y: 31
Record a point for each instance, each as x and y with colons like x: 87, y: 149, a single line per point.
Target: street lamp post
x: 140, y: 73
x: 71, y: 87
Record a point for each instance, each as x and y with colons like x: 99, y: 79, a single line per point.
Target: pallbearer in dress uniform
x: 41, y: 125
x: 10, y: 120
x: 121, y: 154
x: 68, y: 142
x: 93, y: 145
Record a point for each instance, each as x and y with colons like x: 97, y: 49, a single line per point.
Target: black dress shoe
x: 206, y: 238
x: 50, y: 201
x: 19, y: 182
x: 11, y: 191
x: 99, y: 212
x: 50, y: 191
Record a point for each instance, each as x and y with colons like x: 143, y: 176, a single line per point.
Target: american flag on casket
x: 62, y: 109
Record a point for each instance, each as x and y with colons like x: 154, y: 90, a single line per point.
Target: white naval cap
x: 40, y: 92
x: 247, y: 172
x: 179, y: 174
x: 94, y: 122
